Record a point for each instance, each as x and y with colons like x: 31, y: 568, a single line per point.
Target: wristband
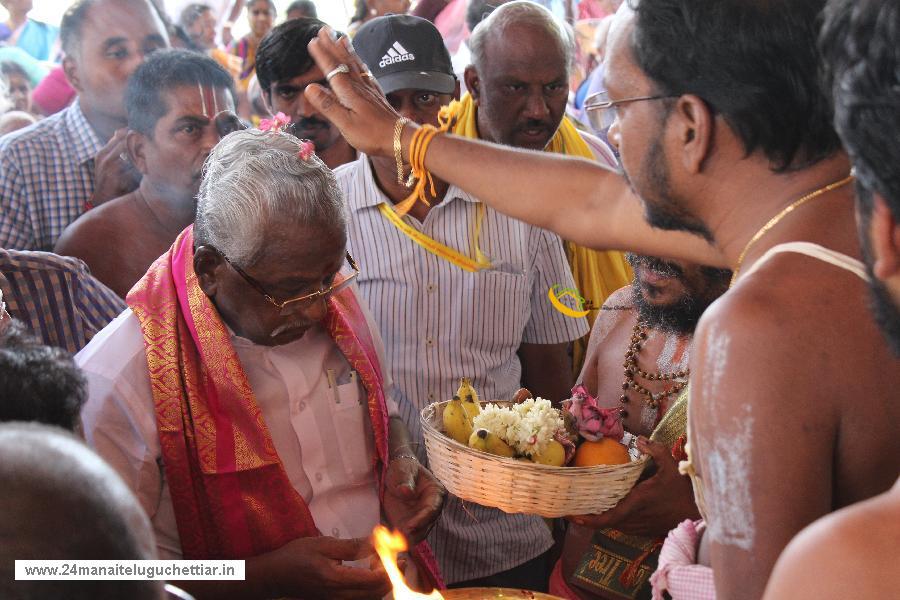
x: 398, y: 148
x: 399, y: 456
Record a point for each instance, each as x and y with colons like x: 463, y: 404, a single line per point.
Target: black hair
x: 283, y: 53
x: 862, y: 70
x: 162, y: 71
x: 9, y: 68
x: 307, y: 6
x: 361, y: 9
x: 38, y: 383
x: 178, y: 33
x: 755, y: 63
x: 72, y: 23
x: 191, y: 13
x: 271, y: 3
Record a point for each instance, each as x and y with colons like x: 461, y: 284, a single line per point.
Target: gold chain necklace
x: 638, y: 337
x: 781, y: 215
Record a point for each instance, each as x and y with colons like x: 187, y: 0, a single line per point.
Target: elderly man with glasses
x: 244, y: 397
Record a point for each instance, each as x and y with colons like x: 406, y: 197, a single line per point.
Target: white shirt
x: 322, y: 433
x: 441, y: 323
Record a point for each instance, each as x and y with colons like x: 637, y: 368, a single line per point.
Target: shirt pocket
x: 500, y: 309
x: 350, y: 413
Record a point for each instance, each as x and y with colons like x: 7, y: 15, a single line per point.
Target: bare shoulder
x: 755, y: 354
x: 617, y: 310
x: 852, y: 553
x: 95, y: 229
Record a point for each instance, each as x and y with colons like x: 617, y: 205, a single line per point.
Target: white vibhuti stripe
x: 440, y: 323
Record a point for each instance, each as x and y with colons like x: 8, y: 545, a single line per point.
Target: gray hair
x: 253, y: 179
x: 520, y: 12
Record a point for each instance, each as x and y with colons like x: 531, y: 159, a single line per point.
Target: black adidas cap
x: 405, y: 52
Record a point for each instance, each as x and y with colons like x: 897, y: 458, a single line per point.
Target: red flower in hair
x: 276, y: 123
x: 307, y: 148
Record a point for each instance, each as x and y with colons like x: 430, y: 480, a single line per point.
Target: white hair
x: 520, y: 12
x: 253, y: 179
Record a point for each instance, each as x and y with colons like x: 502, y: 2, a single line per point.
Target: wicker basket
x: 517, y: 486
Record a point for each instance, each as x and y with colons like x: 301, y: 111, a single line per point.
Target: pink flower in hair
x: 592, y: 421
x: 276, y: 123
x: 307, y: 148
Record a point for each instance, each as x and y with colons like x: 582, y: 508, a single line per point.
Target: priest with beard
x: 637, y: 363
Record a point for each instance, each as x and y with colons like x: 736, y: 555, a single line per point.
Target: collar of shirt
x: 284, y: 349
x: 83, y: 140
x: 375, y: 197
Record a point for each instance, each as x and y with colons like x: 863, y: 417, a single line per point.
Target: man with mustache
x: 853, y: 553
x: 722, y: 126
x: 518, y: 86
x: 659, y: 311
x: 51, y: 172
x: 244, y: 398
x: 489, y: 322
x: 179, y: 105
x: 284, y: 68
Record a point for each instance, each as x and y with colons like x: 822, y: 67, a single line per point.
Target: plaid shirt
x: 46, y: 177
x: 56, y: 297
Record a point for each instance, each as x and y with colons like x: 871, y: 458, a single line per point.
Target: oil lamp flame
x: 388, y: 544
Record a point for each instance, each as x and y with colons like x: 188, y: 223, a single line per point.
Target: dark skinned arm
x: 413, y: 498
x: 513, y: 181
x: 547, y: 370
x: 305, y: 568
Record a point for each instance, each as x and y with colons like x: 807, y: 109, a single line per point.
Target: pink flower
x: 567, y: 444
x: 592, y: 421
x: 306, y: 150
x: 276, y: 123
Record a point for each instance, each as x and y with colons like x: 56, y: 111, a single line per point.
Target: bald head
x: 61, y: 501
x: 519, y: 75
x: 505, y: 23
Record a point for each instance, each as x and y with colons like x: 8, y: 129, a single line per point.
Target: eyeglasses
x: 300, y: 302
x: 601, y: 111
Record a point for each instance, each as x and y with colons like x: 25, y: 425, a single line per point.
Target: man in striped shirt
x: 440, y: 322
x: 50, y: 171
x: 56, y: 297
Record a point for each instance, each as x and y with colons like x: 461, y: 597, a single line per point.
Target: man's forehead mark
x: 209, y: 101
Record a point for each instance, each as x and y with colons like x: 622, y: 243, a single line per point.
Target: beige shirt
x: 313, y: 404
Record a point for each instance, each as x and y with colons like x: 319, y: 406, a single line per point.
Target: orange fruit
x: 602, y: 452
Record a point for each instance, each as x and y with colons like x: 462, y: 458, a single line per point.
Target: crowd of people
x: 234, y: 271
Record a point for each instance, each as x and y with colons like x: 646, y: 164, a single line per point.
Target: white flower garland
x: 527, y: 427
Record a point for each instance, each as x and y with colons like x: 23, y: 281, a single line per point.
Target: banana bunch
x: 484, y: 440
x: 469, y: 398
x: 460, y: 412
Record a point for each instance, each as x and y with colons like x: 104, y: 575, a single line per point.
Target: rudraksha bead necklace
x: 638, y: 337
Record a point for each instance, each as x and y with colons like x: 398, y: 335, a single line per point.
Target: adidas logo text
x: 396, y: 53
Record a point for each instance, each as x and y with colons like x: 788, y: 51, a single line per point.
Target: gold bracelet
x: 398, y: 148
